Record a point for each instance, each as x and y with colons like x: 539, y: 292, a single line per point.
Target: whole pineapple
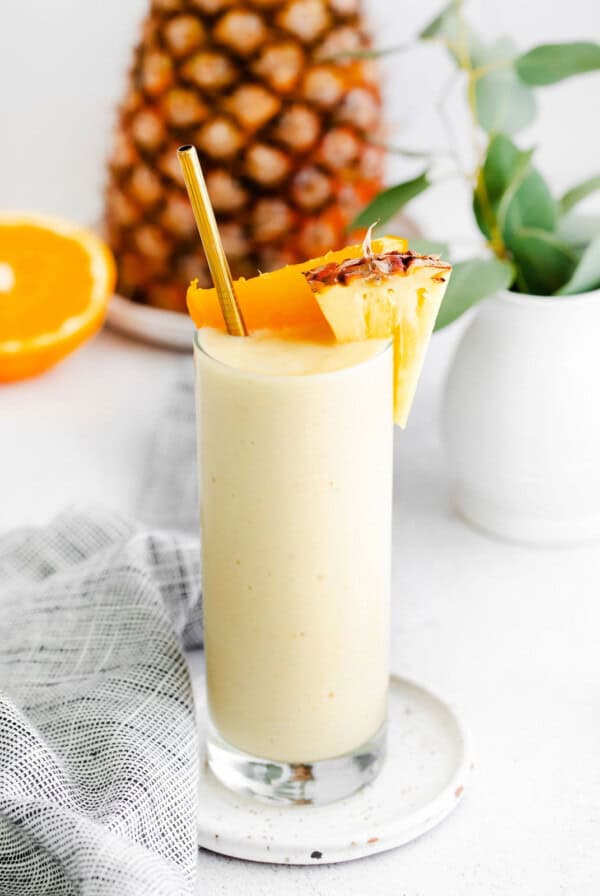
x: 286, y: 126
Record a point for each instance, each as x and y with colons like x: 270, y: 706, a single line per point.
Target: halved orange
x: 281, y: 299
x: 55, y: 282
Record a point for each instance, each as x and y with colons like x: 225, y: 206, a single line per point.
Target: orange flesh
x: 55, y: 283
x: 43, y: 264
x: 278, y: 300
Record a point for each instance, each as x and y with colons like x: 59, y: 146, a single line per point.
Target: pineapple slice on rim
x: 394, y: 294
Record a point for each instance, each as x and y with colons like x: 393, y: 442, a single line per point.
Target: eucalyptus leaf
x: 586, y: 275
x: 578, y: 229
x: 503, y: 170
x: 502, y: 102
x: 440, y: 24
x: 429, y: 247
x: 579, y: 192
x: 390, y: 201
x: 460, y: 40
x: 530, y: 204
x: 543, y: 262
x: 550, y: 63
x: 470, y: 282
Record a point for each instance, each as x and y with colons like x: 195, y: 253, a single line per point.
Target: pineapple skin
x: 286, y: 127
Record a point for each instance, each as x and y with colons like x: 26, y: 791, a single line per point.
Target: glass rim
x: 198, y: 347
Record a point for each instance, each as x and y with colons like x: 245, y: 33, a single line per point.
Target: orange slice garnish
x: 55, y: 282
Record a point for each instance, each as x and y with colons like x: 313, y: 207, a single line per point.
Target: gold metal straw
x: 211, y: 240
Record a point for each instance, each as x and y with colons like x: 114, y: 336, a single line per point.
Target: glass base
x: 314, y: 783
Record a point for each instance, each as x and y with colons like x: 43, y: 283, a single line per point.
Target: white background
x: 508, y: 634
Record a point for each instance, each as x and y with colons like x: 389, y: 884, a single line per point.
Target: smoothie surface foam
x: 289, y: 353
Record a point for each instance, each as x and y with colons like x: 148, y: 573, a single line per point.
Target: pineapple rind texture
x: 286, y: 126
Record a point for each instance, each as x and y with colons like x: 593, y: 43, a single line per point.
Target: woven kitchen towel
x: 98, y: 751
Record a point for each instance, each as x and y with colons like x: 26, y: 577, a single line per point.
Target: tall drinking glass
x: 296, y: 489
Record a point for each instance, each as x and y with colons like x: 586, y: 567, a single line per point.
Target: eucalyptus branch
x: 538, y: 243
x: 481, y: 71
x: 411, y: 153
x: 463, y: 37
x: 442, y: 111
x: 446, y: 176
x: 367, y: 53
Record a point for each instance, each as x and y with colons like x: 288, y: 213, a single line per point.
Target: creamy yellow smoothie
x: 295, y: 453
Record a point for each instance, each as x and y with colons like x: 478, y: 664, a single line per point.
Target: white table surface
x: 509, y: 634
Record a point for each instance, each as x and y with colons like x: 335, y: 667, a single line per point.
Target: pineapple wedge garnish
x: 392, y: 294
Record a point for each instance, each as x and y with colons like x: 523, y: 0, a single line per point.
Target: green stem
x: 463, y: 48
x: 521, y: 282
x: 481, y: 70
x: 446, y: 121
x: 411, y: 153
x: 367, y: 53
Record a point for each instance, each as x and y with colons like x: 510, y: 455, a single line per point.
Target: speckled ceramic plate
x: 422, y: 781
x: 166, y: 328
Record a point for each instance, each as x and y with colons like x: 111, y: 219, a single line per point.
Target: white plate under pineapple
x: 167, y: 328
x: 422, y: 781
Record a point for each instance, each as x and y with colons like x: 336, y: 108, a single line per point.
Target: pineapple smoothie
x: 295, y: 444
x: 295, y: 425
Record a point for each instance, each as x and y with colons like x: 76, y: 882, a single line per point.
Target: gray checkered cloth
x: 98, y: 746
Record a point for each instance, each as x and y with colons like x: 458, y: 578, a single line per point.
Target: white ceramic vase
x: 521, y: 418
